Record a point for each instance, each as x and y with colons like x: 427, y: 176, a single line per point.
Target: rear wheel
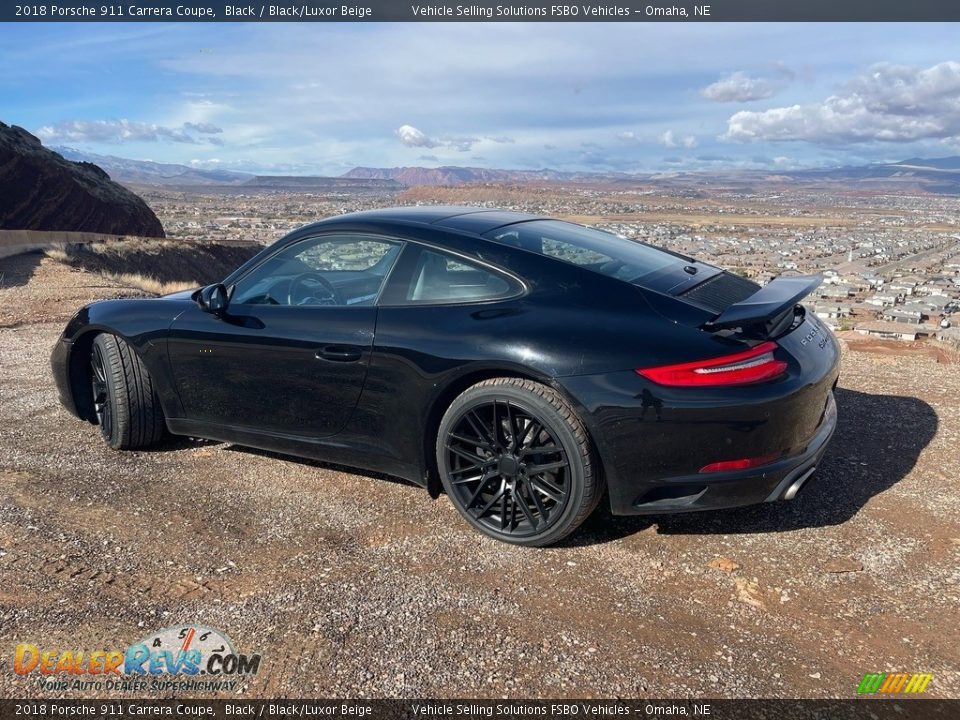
x: 516, y: 462
x: 126, y: 405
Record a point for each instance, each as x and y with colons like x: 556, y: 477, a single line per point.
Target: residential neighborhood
x: 890, y: 263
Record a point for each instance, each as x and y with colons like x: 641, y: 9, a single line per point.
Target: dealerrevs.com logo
x: 185, y: 657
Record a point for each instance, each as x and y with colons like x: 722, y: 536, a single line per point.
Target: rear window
x: 597, y: 250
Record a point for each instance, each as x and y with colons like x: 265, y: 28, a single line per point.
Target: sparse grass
x: 154, y: 266
x: 126, y: 246
x: 58, y: 253
x: 149, y: 284
x: 69, y: 255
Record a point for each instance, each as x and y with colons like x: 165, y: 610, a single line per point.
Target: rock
x: 43, y: 191
x: 748, y: 591
x: 725, y: 564
x: 842, y: 565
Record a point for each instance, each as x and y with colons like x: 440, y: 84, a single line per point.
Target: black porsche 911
x: 528, y: 367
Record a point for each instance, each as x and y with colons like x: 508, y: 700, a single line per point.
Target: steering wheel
x: 312, y: 288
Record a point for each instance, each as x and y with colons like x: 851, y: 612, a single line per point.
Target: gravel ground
x: 360, y: 586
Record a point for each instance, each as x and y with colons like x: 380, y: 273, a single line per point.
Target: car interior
x: 323, y: 274
x: 439, y: 278
x: 351, y: 272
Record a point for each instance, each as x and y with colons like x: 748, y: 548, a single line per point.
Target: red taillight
x: 751, y: 366
x: 742, y: 464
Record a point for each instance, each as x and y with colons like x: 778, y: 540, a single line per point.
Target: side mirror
x: 213, y: 299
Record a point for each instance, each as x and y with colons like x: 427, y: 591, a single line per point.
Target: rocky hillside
x: 40, y: 190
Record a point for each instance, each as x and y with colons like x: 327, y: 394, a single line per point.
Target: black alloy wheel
x: 516, y: 463
x: 100, y: 391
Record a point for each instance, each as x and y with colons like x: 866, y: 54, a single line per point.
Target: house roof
x: 888, y: 327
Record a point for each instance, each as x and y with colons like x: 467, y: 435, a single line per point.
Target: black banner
x: 899, y: 708
x: 530, y: 10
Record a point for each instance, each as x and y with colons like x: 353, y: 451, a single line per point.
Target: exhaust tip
x: 795, y: 486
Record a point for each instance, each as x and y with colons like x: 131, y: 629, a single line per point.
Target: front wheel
x: 126, y: 405
x: 516, y: 462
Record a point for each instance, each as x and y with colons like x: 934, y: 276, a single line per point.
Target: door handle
x: 339, y: 353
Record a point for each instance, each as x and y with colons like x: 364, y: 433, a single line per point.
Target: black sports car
x: 524, y: 365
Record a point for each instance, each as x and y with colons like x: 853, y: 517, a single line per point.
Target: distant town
x: 890, y: 260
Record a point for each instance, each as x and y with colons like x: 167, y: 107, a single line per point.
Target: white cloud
x: 671, y: 140
x: 739, y: 87
x: 412, y: 137
x: 629, y: 137
x: 415, y: 138
x: 118, y: 131
x: 889, y: 103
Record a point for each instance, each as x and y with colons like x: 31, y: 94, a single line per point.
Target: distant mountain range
x: 310, y: 182
x: 936, y: 175
x: 147, y: 172
x: 947, y: 164
x: 933, y: 168
x: 458, y: 175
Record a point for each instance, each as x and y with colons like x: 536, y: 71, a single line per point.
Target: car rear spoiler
x: 769, y: 302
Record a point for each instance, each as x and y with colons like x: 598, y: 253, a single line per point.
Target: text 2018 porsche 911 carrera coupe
x: 528, y: 367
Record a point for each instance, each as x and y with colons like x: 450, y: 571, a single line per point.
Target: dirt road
x: 359, y: 586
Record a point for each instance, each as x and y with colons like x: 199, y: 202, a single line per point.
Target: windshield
x: 596, y: 250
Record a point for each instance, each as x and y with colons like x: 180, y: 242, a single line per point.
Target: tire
x: 517, y: 463
x: 126, y: 405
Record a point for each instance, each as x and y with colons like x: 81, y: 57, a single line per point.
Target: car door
x: 439, y: 312
x: 290, y: 354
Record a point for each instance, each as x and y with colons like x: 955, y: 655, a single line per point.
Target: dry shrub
x: 58, y: 253
x: 149, y: 284
x: 155, y: 266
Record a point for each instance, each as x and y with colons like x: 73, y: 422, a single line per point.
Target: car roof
x: 463, y: 218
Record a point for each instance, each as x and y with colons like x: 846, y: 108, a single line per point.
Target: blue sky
x: 322, y: 98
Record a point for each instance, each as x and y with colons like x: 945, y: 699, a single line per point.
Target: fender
x: 142, y: 323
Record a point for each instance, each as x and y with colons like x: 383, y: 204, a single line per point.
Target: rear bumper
x: 780, y: 480
x: 653, y: 440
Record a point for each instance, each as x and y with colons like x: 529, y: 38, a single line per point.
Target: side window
x: 327, y: 270
x: 438, y: 277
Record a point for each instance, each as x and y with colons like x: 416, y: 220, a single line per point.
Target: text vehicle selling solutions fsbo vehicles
x: 528, y: 367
